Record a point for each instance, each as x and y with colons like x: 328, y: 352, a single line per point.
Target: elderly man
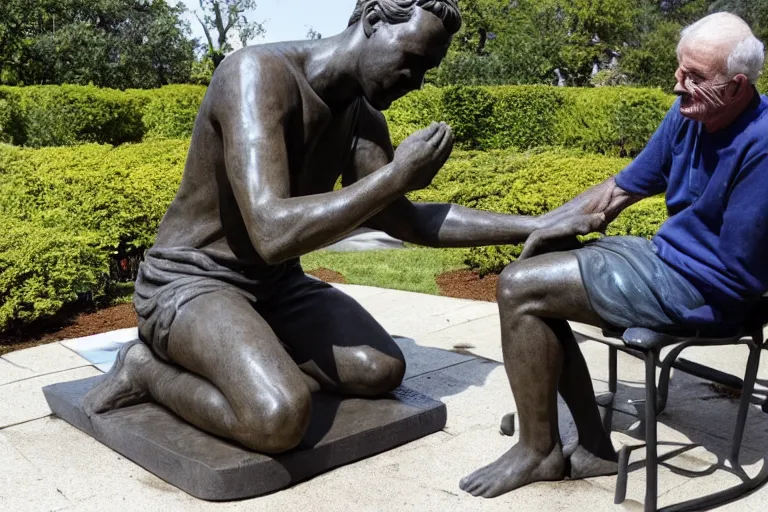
x: 235, y: 335
x: 704, y: 269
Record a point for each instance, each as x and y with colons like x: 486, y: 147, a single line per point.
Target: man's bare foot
x: 121, y: 387
x: 518, y: 467
x: 584, y: 464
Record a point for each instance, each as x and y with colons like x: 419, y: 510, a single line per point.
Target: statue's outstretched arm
x: 441, y: 224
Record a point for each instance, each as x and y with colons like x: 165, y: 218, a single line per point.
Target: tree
x: 313, y: 34
x: 497, y: 44
x: 653, y: 61
x: 110, y: 43
x: 535, y: 41
x: 222, y: 17
x: 578, y: 42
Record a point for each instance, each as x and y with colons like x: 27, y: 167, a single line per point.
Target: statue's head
x: 719, y: 58
x: 403, y: 40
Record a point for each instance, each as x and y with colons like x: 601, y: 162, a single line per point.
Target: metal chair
x: 647, y: 344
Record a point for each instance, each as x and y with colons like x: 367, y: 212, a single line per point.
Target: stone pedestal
x: 342, y: 431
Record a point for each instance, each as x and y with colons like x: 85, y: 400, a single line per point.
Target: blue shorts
x: 630, y: 286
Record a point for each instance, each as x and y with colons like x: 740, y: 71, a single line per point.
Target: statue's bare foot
x: 518, y: 467
x: 585, y: 464
x: 121, y: 386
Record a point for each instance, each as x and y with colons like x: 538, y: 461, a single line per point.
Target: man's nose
x: 680, y: 88
x: 680, y: 82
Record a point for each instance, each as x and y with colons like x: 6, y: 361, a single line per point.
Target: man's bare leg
x: 239, y: 382
x: 531, y: 293
x: 595, y: 454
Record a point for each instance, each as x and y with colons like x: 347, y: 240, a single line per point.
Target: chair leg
x: 620, y: 494
x: 663, y: 387
x: 746, y: 393
x: 607, y: 401
x: 651, y: 460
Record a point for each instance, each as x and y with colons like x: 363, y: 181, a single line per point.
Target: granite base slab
x: 342, y: 430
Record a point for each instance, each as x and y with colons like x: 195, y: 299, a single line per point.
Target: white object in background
x: 101, y: 349
x: 365, y: 239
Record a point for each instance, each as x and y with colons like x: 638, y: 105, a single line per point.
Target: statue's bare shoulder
x: 254, y: 87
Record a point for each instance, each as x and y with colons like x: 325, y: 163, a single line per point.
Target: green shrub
x: 531, y: 183
x: 119, y: 193
x: 170, y: 112
x: 762, y: 83
x: 611, y: 120
x: 71, y: 114
x: 6, y: 115
x: 413, y: 112
x: 70, y: 213
x: 466, y: 110
x: 523, y: 117
x: 44, y: 268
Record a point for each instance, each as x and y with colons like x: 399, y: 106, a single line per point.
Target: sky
x: 288, y: 20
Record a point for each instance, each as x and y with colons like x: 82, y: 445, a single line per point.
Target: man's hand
x: 559, y: 229
x: 422, y: 154
x: 606, y: 197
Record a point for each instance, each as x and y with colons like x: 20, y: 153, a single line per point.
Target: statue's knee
x: 377, y: 373
x: 278, y: 424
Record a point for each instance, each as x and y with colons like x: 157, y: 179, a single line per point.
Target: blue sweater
x: 716, y: 188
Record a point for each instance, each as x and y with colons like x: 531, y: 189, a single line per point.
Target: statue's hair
x: 401, y: 11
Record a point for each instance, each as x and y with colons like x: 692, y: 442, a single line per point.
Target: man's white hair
x: 729, y: 35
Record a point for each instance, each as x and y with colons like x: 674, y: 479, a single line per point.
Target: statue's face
x: 396, y: 57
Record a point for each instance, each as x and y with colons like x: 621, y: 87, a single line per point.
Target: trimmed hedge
x: 615, y: 121
x: 609, y: 120
x: 6, y: 114
x: 170, y: 111
x: 42, y: 269
x: 414, y: 112
x: 72, y: 214
x: 62, y: 115
x: 44, y: 116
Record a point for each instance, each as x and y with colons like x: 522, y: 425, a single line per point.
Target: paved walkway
x: 453, y: 352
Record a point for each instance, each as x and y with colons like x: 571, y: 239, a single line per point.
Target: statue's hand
x: 562, y: 232
x: 422, y: 154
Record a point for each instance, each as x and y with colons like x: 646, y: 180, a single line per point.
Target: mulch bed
x: 327, y: 275
x: 463, y: 284
x: 84, y: 324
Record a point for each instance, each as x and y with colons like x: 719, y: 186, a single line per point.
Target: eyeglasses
x: 693, y: 81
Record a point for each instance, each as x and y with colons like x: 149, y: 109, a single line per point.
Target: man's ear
x: 742, y: 84
x: 370, y: 19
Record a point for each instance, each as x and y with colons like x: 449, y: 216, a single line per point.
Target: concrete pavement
x: 453, y: 351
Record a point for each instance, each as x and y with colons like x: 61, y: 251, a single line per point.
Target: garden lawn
x: 412, y: 269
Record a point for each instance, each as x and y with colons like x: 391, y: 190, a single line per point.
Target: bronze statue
x: 235, y: 336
